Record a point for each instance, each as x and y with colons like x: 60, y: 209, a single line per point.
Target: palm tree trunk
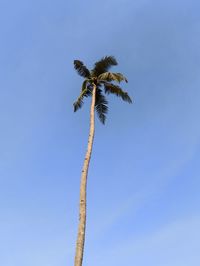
x: 83, y: 187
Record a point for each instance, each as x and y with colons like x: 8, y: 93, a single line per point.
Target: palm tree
x: 94, y: 81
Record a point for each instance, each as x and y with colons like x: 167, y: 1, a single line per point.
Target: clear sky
x: 143, y: 190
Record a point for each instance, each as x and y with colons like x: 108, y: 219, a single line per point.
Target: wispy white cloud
x: 100, y: 226
x: 175, y: 244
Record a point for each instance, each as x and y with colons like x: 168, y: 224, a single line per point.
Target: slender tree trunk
x: 83, y: 187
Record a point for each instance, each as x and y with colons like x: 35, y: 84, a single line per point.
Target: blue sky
x: 143, y: 187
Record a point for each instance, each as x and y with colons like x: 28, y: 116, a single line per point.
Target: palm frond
x: 79, y: 102
x: 85, y: 92
x: 88, y: 91
x: 101, y: 105
x: 81, y: 69
x: 109, y: 76
x: 114, y: 89
x: 85, y: 83
x: 103, y: 65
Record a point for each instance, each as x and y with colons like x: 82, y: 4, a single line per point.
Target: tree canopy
x: 104, y: 81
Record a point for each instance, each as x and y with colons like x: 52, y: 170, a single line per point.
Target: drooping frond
x: 81, y: 69
x: 103, y: 65
x: 85, y: 92
x: 87, y: 85
x: 114, y: 89
x: 79, y: 102
x: 109, y: 76
x: 101, y: 105
x: 84, y: 84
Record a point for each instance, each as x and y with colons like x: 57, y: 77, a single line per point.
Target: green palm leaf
x: 114, y: 89
x: 109, y: 76
x: 103, y: 65
x: 101, y: 105
x: 85, y: 92
x: 79, y: 102
x: 81, y: 69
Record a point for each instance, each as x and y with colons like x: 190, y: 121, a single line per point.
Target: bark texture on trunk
x: 83, y: 187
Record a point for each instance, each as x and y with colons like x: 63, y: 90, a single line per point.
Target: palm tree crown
x: 102, y: 79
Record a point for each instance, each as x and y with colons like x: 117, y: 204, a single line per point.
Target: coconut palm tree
x: 95, y: 81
